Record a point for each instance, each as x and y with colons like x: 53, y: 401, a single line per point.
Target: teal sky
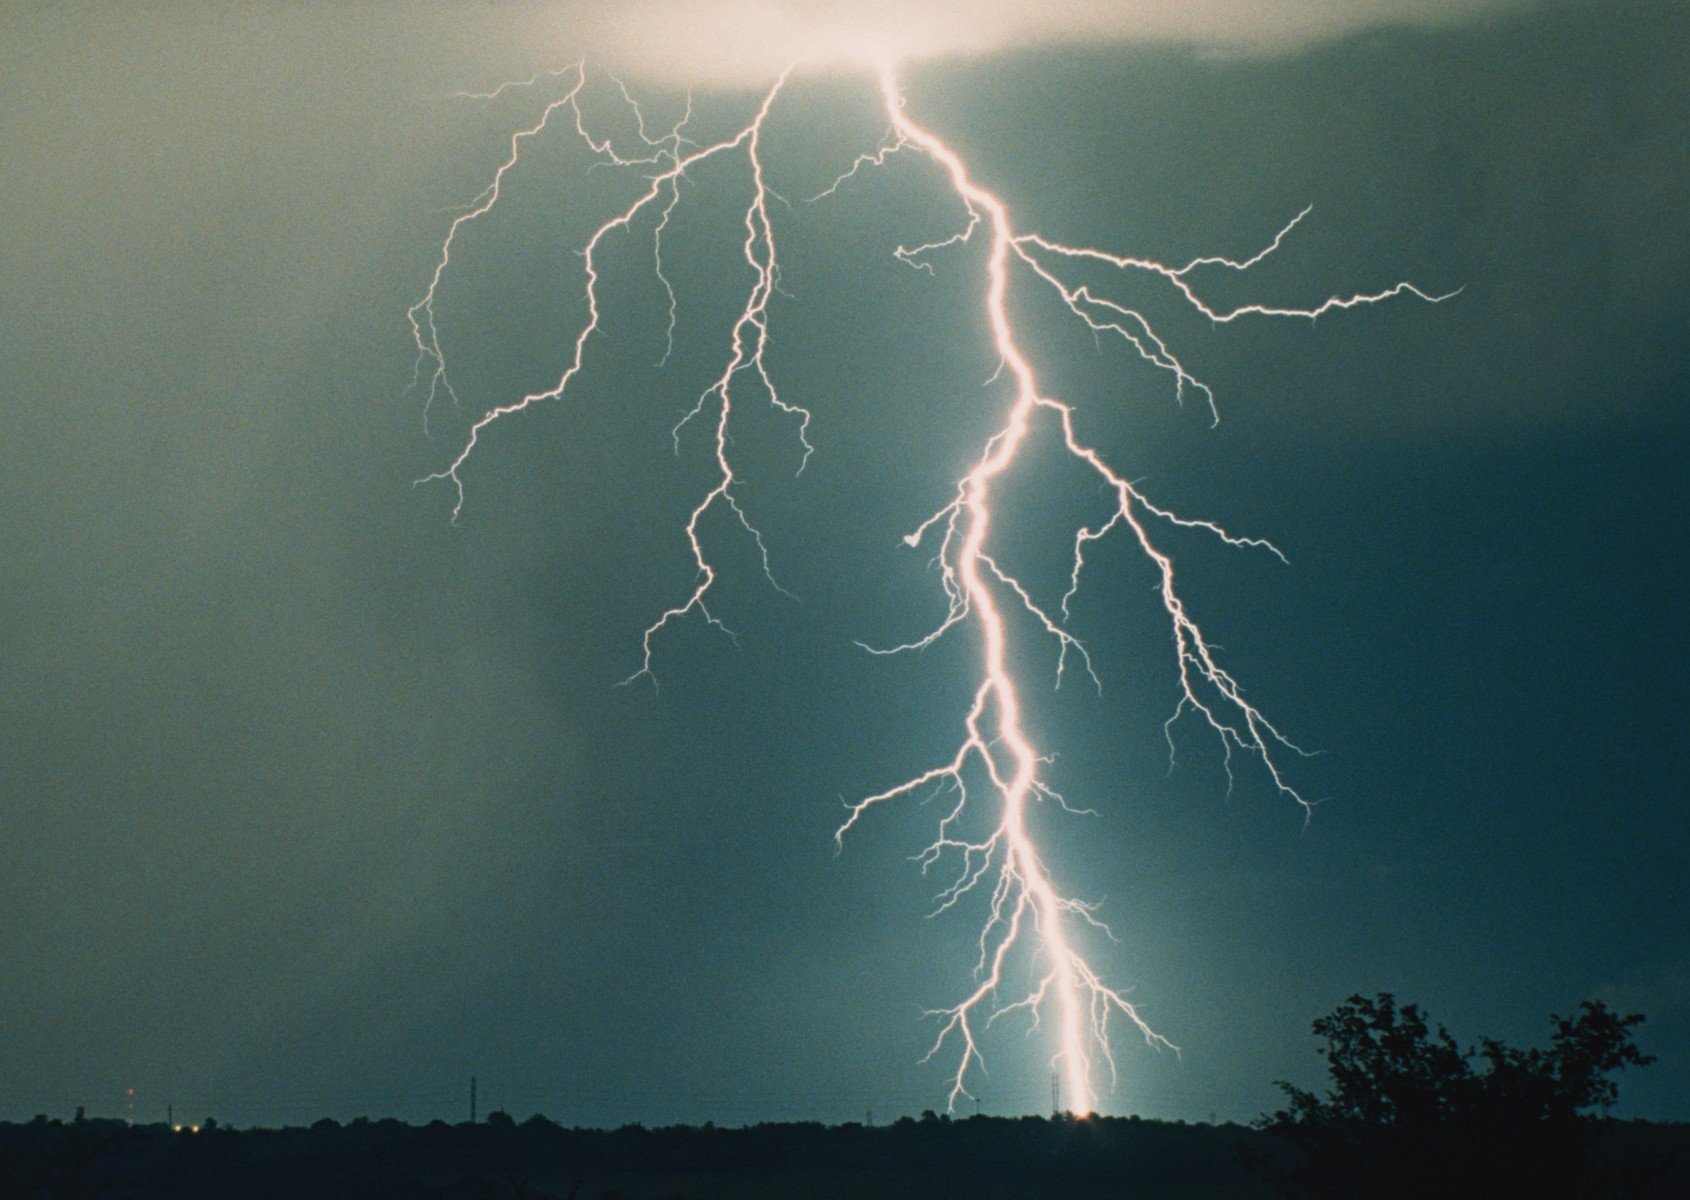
x: 313, y: 802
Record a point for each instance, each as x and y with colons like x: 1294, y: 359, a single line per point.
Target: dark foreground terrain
x: 980, y: 1158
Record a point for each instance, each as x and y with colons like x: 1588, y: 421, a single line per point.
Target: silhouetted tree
x: 1410, y: 1113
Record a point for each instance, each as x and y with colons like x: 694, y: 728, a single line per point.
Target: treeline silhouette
x: 1411, y: 1114
x: 1408, y: 1113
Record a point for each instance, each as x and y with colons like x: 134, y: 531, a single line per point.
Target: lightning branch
x: 996, y: 768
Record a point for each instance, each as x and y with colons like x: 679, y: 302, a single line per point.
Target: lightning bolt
x: 1027, y: 913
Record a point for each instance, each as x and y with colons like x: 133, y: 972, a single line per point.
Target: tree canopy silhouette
x: 1410, y: 1113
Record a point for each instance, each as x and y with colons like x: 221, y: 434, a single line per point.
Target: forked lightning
x: 1027, y: 913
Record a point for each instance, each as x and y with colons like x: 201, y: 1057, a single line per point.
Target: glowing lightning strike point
x: 1024, y: 898
x: 1026, y: 911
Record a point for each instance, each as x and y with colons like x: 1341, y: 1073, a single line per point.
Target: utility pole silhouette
x: 1054, y: 1110
x: 472, y: 1099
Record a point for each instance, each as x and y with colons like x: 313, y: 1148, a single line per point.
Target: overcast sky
x: 313, y: 802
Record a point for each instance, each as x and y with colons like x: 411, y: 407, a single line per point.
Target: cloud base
x: 737, y: 43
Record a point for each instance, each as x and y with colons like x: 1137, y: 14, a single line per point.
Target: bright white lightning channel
x: 1028, y: 914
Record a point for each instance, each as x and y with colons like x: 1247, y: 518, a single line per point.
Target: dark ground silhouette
x: 1408, y: 1114
x: 978, y: 1158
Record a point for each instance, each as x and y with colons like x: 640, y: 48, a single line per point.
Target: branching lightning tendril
x: 1026, y: 911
